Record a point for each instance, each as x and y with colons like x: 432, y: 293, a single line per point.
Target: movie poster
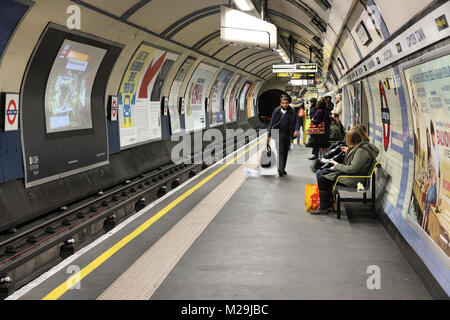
x: 429, y: 95
x: 230, y: 113
x: 195, y: 97
x: 140, y: 95
x: 174, y: 95
x: 216, y: 97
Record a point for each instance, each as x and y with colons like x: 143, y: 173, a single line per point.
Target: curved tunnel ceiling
x: 196, y: 25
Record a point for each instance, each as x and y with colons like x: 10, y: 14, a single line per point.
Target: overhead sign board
x: 295, y: 68
x: 297, y: 76
x: 306, y: 67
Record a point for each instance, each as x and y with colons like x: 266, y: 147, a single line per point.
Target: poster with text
x: 429, y: 95
x: 195, y: 96
x: 230, y: 105
x: 252, y: 97
x: 230, y: 115
x: 174, y: 95
x: 216, y: 97
x: 243, y: 96
x: 140, y: 95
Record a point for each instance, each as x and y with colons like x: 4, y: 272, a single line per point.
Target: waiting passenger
x: 320, y: 140
x: 358, y: 162
x: 330, y: 104
x: 338, y: 108
x: 299, y: 108
x: 336, y: 129
x: 286, y: 120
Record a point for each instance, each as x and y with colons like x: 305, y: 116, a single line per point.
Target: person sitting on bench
x: 359, y: 157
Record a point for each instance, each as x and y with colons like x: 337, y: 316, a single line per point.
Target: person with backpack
x: 286, y: 121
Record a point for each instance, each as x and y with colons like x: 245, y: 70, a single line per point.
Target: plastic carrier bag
x: 312, y: 199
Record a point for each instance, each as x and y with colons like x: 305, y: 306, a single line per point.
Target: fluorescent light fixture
x: 244, y: 5
x: 238, y: 27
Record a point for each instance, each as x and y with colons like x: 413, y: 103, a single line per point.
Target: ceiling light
x: 244, y: 5
x: 242, y: 28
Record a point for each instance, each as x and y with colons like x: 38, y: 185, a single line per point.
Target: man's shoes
x: 320, y: 212
x: 282, y: 173
x: 312, y: 158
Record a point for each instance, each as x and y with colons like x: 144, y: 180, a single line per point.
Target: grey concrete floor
x: 263, y: 245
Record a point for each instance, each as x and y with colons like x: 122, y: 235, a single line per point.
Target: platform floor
x: 237, y: 237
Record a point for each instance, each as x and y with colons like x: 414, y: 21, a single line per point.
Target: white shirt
x: 283, y: 111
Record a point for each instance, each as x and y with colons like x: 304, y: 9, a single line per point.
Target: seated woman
x: 335, y: 129
x: 358, y: 162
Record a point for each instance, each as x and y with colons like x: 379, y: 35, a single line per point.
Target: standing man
x: 284, y: 119
x: 329, y: 101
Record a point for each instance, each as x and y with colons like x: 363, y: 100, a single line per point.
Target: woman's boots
x: 325, y: 204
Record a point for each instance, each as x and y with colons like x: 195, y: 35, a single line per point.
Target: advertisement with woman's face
x: 429, y: 95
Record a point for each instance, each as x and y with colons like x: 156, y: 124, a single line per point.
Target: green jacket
x: 335, y: 133
x: 358, y: 162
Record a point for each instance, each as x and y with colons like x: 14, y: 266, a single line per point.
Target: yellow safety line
x: 64, y: 287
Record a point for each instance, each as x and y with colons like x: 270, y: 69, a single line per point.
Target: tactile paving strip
x: 147, y: 273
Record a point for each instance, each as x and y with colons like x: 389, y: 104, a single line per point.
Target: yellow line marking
x: 65, y: 286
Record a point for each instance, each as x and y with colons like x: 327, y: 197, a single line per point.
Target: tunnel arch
x: 268, y: 101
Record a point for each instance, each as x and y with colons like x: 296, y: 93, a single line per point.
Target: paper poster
x: 140, y: 94
x: 429, y: 94
x: 196, y: 95
x: 217, y: 95
x: 174, y: 95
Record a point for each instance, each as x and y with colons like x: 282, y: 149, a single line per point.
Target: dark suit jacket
x: 293, y: 120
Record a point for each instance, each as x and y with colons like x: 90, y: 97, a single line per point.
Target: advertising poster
x: 140, y: 94
x: 195, y: 96
x: 230, y: 115
x: 243, y: 96
x: 69, y: 87
x: 174, y: 95
x: 351, y: 113
x: 252, y: 97
x: 231, y: 100
x: 428, y: 86
x: 63, y: 117
x: 216, y: 97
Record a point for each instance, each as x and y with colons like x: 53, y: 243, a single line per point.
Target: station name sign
x: 295, y: 68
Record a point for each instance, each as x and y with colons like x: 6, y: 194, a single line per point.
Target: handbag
x: 266, y: 158
x: 316, y: 128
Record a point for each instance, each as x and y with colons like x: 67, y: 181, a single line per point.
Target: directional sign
x: 114, y: 108
x: 297, y: 76
x: 279, y: 68
x: 11, y: 112
x: 306, y: 67
x: 295, y: 68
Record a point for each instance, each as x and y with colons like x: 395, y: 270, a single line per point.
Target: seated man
x: 358, y: 162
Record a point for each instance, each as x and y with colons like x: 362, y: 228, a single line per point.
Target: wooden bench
x: 369, y: 186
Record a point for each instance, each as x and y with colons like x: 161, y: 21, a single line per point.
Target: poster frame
x: 200, y: 62
x: 49, y: 26
x: 427, y: 57
x: 121, y: 81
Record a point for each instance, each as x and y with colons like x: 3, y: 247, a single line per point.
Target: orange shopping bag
x: 312, y: 199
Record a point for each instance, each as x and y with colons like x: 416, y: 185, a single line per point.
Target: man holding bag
x: 286, y: 120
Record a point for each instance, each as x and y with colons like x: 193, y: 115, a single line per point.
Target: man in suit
x: 286, y: 120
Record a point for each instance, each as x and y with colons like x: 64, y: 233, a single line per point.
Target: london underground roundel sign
x: 11, y: 112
